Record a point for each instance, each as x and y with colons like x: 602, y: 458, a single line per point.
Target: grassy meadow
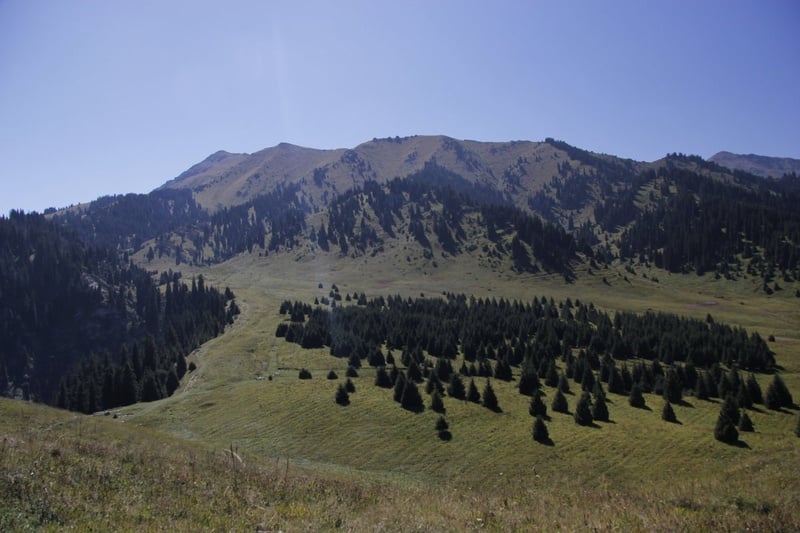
x: 245, y: 445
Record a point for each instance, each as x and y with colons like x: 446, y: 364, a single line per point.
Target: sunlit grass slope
x: 636, y: 472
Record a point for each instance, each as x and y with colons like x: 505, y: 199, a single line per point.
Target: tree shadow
x: 684, y: 403
x: 546, y: 442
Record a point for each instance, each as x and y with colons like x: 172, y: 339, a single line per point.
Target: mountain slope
x: 764, y: 166
x: 525, y: 172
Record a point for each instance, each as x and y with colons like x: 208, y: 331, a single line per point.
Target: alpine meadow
x: 417, y: 333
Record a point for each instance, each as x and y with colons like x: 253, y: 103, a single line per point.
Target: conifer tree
x: 399, y: 387
x: 352, y: 372
x: 672, y: 386
x: 725, y: 430
x: 472, y: 392
x: 443, y: 428
x: 667, y: 413
x: 636, y: 398
x: 551, y: 378
x: 528, y: 382
x: 437, y: 405
x: 332, y: 375
x: 382, y: 378
x: 745, y: 424
x: 778, y: 395
x: 797, y: 429
x: 754, y: 389
x: 537, y: 406
x: 587, y: 383
x: 559, y: 404
x: 411, y: 399
x: 456, y: 387
x: 490, y: 398
x: 563, y: 383
x: 342, y: 397
x: 540, y: 433
x: 600, y: 408
x: 349, y: 386
x: 700, y: 388
x: 583, y: 410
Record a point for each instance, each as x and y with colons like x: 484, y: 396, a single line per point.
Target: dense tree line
x: 127, y: 221
x: 630, y: 353
x: 62, y: 301
x: 437, y: 213
x: 696, y: 223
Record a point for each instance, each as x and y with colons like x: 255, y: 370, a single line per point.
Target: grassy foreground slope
x: 636, y: 472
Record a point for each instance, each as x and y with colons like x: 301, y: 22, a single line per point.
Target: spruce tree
x: 600, y: 408
x: 490, y: 398
x: 528, y: 382
x: 399, y: 387
x: 563, y: 383
x: 353, y: 373
x: 472, y: 392
x: 587, y: 383
x: 673, y: 392
x: 456, y: 387
x: 583, y: 410
x: 382, y: 378
x: 754, y: 389
x: 559, y: 404
x: 437, y: 405
x: 745, y: 424
x: 539, y: 431
x: 537, y: 406
x: 443, y: 428
x: 778, y: 395
x: 700, y: 388
x: 667, y: 413
x: 725, y: 430
x: 332, y: 375
x: 411, y: 399
x: 797, y: 429
x: 349, y: 386
x: 636, y: 398
x: 551, y: 378
x: 342, y: 397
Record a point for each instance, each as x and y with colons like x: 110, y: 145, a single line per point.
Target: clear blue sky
x: 102, y: 97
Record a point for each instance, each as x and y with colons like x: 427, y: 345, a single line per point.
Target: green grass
x: 372, y: 465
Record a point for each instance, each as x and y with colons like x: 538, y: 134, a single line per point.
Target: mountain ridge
x: 759, y: 165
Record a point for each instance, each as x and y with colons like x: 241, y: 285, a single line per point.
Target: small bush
x: 304, y: 374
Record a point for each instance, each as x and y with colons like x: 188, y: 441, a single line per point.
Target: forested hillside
x: 85, y: 328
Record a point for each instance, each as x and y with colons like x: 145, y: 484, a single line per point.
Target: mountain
x: 520, y: 170
x: 764, y: 166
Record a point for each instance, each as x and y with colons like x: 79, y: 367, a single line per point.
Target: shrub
x: 304, y: 374
x: 332, y: 375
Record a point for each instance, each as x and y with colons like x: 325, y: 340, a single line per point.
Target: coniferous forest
x: 454, y: 338
x: 86, y: 329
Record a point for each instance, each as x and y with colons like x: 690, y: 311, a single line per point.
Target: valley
x: 241, y: 442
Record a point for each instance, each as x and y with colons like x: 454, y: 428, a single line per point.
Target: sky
x: 105, y: 97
